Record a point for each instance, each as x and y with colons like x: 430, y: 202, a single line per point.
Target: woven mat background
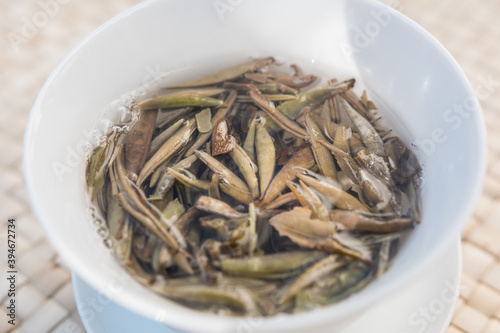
x: 469, y: 29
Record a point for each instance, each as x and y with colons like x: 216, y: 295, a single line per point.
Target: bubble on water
x: 125, y: 129
x: 135, y: 95
x: 134, y: 116
x: 117, y: 129
x: 103, y: 139
x: 113, y: 111
x: 95, y: 137
x: 88, y: 150
x: 264, y: 69
x: 260, y: 119
x: 108, y: 243
x: 125, y: 114
x: 102, y: 232
x: 132, y: 176
x: 420, y: 180
x: 104, y: 125
x: 279, y: 60
x: 121, y: 129
x: 96, y: 222
x: 255, y: 55
x: 91, y: 212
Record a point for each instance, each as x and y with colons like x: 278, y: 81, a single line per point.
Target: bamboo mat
x: 469, y: 29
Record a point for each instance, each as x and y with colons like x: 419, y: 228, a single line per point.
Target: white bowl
x: 400, y: 64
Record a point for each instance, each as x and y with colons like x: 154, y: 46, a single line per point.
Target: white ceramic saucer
x: 426, y: 305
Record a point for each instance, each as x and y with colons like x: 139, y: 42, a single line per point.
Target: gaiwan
x: 255, y: 191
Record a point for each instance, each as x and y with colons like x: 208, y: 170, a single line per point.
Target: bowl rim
x: 319, y: 315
